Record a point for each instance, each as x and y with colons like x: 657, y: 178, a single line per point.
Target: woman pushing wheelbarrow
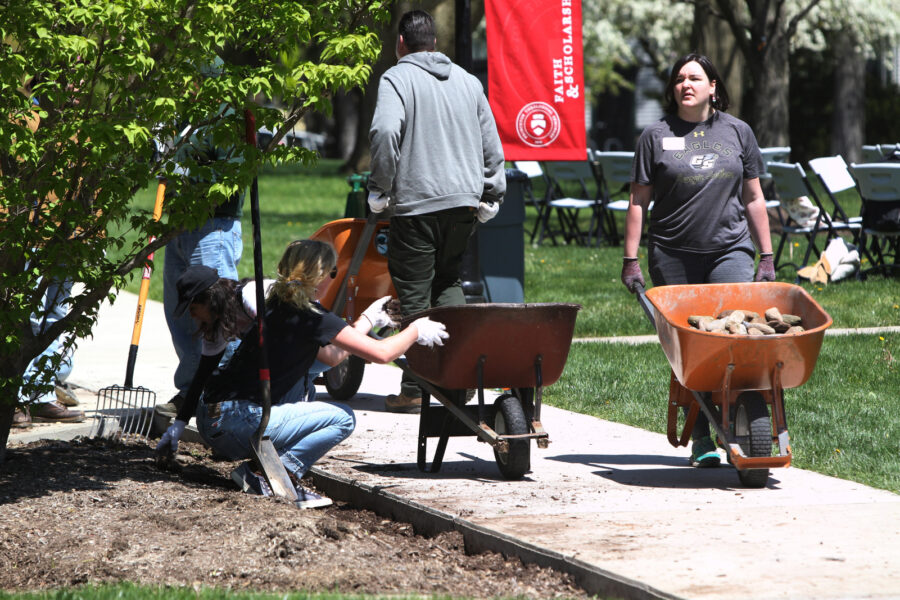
x: 700, y: 169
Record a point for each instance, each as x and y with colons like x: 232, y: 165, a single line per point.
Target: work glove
x: 377, y: 316
x: 487, y: 211
x: 631, y: 274
x: 378, y: 202
x: 168, y: 443
x: 765, y: 270
x: 431, y: 333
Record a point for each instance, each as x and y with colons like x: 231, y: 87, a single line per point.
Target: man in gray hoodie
x: 437, y: 165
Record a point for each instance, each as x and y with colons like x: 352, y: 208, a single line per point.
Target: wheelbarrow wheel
x: 509, y: 419
x: 343, y: 380
x: 753, y: 432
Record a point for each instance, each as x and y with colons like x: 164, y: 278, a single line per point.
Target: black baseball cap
x: 195, y: 280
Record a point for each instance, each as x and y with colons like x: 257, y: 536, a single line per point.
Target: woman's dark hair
x: 721, y: 100
x: 224, y: 306
x: 418, y: 31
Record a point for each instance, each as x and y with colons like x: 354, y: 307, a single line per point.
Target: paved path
x: 615, y: 505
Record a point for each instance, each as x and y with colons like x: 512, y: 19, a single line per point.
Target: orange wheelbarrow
x: 736, y: 380
x: 363, y: 277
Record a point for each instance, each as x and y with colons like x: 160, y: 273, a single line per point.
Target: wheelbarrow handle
x: 645, y: 304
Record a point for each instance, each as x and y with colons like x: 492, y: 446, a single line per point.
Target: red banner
x: 536, y: 78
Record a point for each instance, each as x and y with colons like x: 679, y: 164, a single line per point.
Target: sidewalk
x: 617, y: 506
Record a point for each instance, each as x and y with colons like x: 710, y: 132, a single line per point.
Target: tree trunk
x: 6, y: 417
x: 848, y: 118
x: 766, y: 104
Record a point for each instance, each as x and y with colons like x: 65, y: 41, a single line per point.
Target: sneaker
x: 65, y: 395
x: 704, y: 454
x: 170, y: 409
x: 250, y: 482
x: 309, y: 499
x: 54, y: 412
x: 21, y: 419
x: 401, y: 403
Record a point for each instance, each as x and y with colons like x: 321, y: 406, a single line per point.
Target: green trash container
x: 356, y: 198
x: 501, y: 244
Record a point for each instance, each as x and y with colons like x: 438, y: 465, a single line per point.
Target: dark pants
x: 424, y: 257
x: 668, y: 267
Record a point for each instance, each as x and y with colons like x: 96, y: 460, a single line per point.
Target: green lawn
x: 841, y: 421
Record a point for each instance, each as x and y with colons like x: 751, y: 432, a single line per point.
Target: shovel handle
x: 265, y: 387
x: 144, y: 291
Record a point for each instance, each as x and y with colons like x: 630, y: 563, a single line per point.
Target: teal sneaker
x: 703, y: 453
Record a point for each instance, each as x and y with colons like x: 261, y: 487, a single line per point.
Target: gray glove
x: 431, y: 333
x: 487, y: 211
x: 168, y: 443
x: 377, y: 315
x: 631, y: 273
x: 765, y: 270
x: 378, y: 202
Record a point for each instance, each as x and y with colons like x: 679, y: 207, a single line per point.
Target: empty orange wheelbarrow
x: 744, y: 374
x: 361, y: 246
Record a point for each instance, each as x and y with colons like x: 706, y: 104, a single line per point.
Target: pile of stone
x: 748, y: 322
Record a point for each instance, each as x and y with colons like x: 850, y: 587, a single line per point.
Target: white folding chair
x: 836, y: 179
x: 535, y: 172
x: 871, y: 153
x: 574, y: 188
x: 791, y: 182
x: 614, y: 178
x: 771, y: 154
x: 879, y: 188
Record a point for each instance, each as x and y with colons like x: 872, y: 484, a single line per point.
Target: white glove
x: 487, y: 211
x: 377, y: 315
x: 168, y: 443
x: 378, y: 202
x: 431, y: 333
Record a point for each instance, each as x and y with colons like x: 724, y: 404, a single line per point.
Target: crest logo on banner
x: 536, y: 78
x: 537, y: 124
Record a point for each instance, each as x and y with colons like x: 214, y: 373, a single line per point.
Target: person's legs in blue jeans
x: 302, y: 432
x: 216, y: 244
x: 55, y: 308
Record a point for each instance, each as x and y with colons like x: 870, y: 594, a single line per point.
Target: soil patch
x: 93, y: 511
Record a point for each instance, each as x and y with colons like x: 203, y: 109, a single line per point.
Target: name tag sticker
x: 673, y: 143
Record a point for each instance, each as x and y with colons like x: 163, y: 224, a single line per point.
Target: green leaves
x: 113, y: 83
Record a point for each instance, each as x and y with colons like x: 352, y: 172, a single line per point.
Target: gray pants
x: 669, y: 267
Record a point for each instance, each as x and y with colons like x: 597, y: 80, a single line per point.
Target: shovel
x: 123, y: 410
x: 261, y: 447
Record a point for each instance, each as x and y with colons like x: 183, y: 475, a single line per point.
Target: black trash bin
x: 356, y: 207
x: 501, y: 244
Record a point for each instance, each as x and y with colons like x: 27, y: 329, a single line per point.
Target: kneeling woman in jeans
x: 299, y: 331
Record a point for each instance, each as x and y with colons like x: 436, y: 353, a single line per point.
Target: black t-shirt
x: 697, y: 171
x: 294, y: 337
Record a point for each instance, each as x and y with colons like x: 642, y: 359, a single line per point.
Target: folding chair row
x: 880, y: 152
x: 791, y: 182
x: 574, y: 186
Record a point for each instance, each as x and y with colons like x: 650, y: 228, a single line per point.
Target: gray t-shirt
x: 697, y: 171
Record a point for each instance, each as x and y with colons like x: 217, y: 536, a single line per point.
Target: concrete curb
x: 429, y: 521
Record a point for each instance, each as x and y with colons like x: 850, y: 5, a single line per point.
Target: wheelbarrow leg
x: 421, y: 455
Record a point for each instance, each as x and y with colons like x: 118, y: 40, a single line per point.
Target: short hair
x: 418, y: 31
x: 721, y: 101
